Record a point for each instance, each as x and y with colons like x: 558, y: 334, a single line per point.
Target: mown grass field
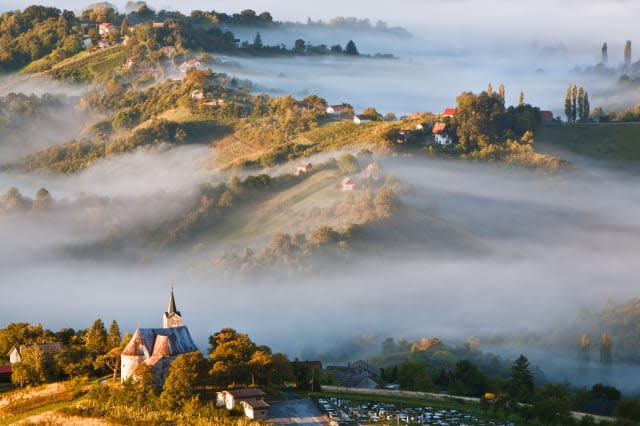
x: 612, y: 142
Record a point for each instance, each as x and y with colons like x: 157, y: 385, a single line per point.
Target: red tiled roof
x: 347, y: 181
x: 546, y: 115
x: 439, y: 128
x: 451, y: 111
x: 336, y: 107
x: 5, y: 369
x: 318, y: 364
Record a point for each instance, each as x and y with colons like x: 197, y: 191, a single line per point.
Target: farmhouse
x: 157, y: 347
x: 131, y: 61
x: 303, y: 168
x: 372, y: 171
x: 255, y: 410
x: 5, y: 373
x: 450, y: 112
x: 48, y: 350
x: 105, y: 28
x: 335, y: 109
x: 230, y: 398
x: 356, y: 375
x: 440, y: 135
x: 362, y: 118
x: 103, y: 44
x: 197, y: 95
x: 546, y: 116
x: 348, y: 184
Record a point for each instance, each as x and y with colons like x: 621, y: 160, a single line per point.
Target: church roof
x: 160, y: 342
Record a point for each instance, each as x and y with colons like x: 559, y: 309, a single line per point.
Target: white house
x: 348, y: 184
x: 440, y: 134
x: 255, y: 410
x: 335, y: 109
x: 197, y: 95
x: 131, y: 61
x: 48, y: 350
x: 105, y: 28
x: 230, y: 398
x: 361, y: 119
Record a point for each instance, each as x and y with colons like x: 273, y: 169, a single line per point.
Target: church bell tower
x: 172, y: 317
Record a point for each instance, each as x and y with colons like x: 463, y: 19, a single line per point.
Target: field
x: 616, y: 143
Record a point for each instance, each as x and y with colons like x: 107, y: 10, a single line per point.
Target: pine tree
x: 114, y: 339
x: 521, y: 382
x: 627, y: 53
x: 95, y: 338
x: 351, y: 49
x: 574, y: 103
x: 580, y: 108
x: 502, y: 92
x: 567, y: 104
x: 490, y: 90
x: 257, y: 42
x: 521, y: 99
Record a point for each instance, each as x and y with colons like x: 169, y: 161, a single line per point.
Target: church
x: 157, y: 347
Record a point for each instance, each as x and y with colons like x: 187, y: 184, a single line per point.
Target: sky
x: 570, y: 21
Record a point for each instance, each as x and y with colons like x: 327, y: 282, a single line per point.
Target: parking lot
x: 345, y: 412
x: 296, y: 412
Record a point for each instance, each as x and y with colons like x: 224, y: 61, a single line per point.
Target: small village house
x: 450, y: 112
x: 103, y: 44
x: 131, y: 61
x: 362, y: 118
x: 48, y: 350
x: 197, y: 95
x: 255, y: 410
x: 157, y: 347
x: 546, y: 116
x: 303, y: 168
x: 105, y: 29
x: 348, y: 184
x: 5, y: 373
x: 168, y: 50
x: 157, y: 25
x: 440, y: 135
x: 335, y: 109
x: 230, y: 398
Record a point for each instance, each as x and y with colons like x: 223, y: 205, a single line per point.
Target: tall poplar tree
x: 574, y: 103
x: 587, y: 107
x: 521, y: 99
x: 490, y: 90
x: 580, y: 112
x: 627, y: 53
x: 502, y: 92
x: 605, y: 54
x: 567, y: 103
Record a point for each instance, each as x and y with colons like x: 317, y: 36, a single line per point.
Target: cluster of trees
x: 606, y: 345
x: 14, y: 202
x: 623, y: 116
x: 35, y: 32
x: 300, y: 47
x: 483, y: 120
x: 576, y: 104
x: 518, y: 387
x: 86, y: 352
x: 18, y: 107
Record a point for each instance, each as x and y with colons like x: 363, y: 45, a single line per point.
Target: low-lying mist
x: 528, y: 251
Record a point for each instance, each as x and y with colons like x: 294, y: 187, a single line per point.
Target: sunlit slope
x: 318, y: 201
x: 618, y: 143
x: 236, y: 149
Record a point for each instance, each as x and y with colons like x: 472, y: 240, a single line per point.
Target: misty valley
x: 353, y: 221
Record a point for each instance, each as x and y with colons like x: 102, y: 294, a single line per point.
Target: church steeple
x: 172, y: 304
x: 172, y: 318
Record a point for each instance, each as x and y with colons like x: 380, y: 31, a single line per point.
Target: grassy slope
x: 618, y: 143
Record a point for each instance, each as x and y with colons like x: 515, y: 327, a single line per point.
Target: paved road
x: 296, y: 412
